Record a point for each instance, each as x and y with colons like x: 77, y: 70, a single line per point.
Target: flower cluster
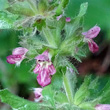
x: 44, y: 68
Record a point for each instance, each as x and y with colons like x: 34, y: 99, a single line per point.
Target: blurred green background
x: 20, y: 79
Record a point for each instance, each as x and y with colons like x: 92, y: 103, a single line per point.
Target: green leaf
x: 74, y: 27
x: 70, y: 45
x: 59, y: 10
x: 60, y: 7
x: 54, y: 24
x: 16, y: 102
x: 87, y: 105
x: 83, y: 92
x: 7, y: 20
x: 48, y: 95
x: 33, y: 5
x: 89, y: 94
x: 22, y: 8
x: 64, y: 3
x: 49, y: 35
x: 69, y: 82
x: 80, y: 52
x: 43, y: 6
x: 92, y: 99
x: 72, y: 37
x: 83, y: 9
x: 53, y: 4
x: 61, y: 98
x: 57, y: 81
x: 56, y: 28
x: 77, y: 58
x: 4, y: 25
x: 104, y: 93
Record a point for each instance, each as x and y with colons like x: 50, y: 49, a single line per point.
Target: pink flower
x: 38, y: 94
x: 102, y: 107
x: 89, y: 35
x: 44, y: 69
x: 18, y: 54
x: 68, y: 19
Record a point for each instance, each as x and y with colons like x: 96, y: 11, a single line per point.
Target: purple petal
x: 102, y: 107
x: 19, y: 51
x: 38, y: 94
x: 51, y: 69
x: 93, y: 47
x: 43, y: 57
x: 37, y: 69
x: 92, y: 33
x: 68, y: 19
x: 43, y: 78
x: 12, y: 59
x: 58, y: 17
